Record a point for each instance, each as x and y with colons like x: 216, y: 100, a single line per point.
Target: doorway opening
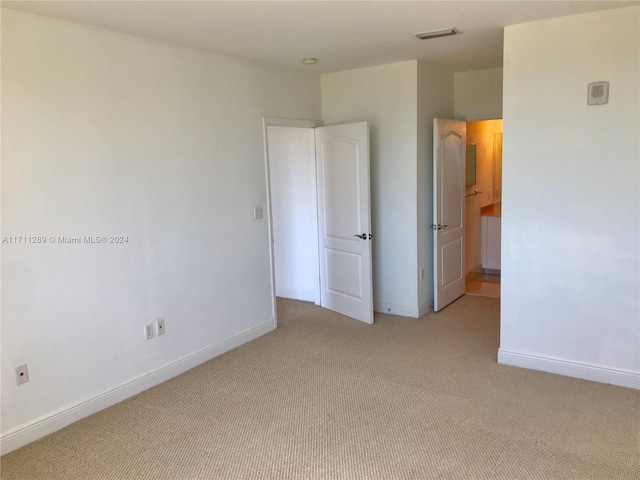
x: 483, y: 208
x: 319, y: 216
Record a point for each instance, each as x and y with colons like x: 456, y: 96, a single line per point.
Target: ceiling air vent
x: 437, y: 33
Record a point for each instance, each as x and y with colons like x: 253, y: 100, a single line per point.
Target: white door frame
x: 277, y: 122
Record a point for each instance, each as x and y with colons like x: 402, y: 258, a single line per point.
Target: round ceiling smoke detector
x: 310, y: 61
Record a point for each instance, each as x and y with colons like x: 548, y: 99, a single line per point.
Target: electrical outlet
x: 22, y: 374
x: 160, y: 326
x: 257, y: 212
x: 148, y: 331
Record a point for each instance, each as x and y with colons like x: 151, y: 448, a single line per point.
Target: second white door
x: 449, y: 147
x: 344, y: 220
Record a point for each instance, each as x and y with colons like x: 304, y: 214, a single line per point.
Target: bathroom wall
x: 480, y: 133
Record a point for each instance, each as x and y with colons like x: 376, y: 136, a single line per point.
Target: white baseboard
x: 595, y: 373
x: 40, y: 427
x: 393, y: 309
x: 424, y: 309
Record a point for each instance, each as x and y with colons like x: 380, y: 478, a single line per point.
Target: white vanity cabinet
x: 490, y: 244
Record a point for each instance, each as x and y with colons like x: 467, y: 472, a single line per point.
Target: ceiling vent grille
x: 437, y: 33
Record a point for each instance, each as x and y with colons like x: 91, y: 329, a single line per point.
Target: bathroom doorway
x: 483, y: 208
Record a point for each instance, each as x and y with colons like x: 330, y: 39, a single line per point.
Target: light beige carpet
x: 326, y: 397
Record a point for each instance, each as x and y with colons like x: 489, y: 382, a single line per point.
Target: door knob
x: 363, y: 236
x: 439, y: 227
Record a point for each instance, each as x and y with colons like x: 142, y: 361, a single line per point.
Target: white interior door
x: 344, y: 220
x: 449, y: 163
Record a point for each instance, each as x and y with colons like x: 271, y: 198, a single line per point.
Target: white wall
x: 386, y: 98
x: 435, y: 100
x: 478, y: 94
x: 571, y: 216
x: 109, y: 134
x: 292, y: 172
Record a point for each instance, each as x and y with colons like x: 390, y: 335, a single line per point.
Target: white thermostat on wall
x: 598, y: 93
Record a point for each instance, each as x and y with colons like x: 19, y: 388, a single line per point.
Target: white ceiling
x: 341, y: 34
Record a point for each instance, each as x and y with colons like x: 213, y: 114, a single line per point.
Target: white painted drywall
x: 435, y: 100
x: 571, y: 210
x: 386, y: 98
x: 478, y: 94
x: 108, y: 134
x: 292, y: 172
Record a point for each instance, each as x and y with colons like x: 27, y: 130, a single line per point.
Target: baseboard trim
x: 47, y: 424
x: 595, y: 373
x: 424, y: 309
x: 395, y: 309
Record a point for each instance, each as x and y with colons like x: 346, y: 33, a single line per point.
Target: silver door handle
x: 439, y: 227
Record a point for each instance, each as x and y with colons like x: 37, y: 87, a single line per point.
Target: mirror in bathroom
x: 497, y: 167
x: 471, y: 164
